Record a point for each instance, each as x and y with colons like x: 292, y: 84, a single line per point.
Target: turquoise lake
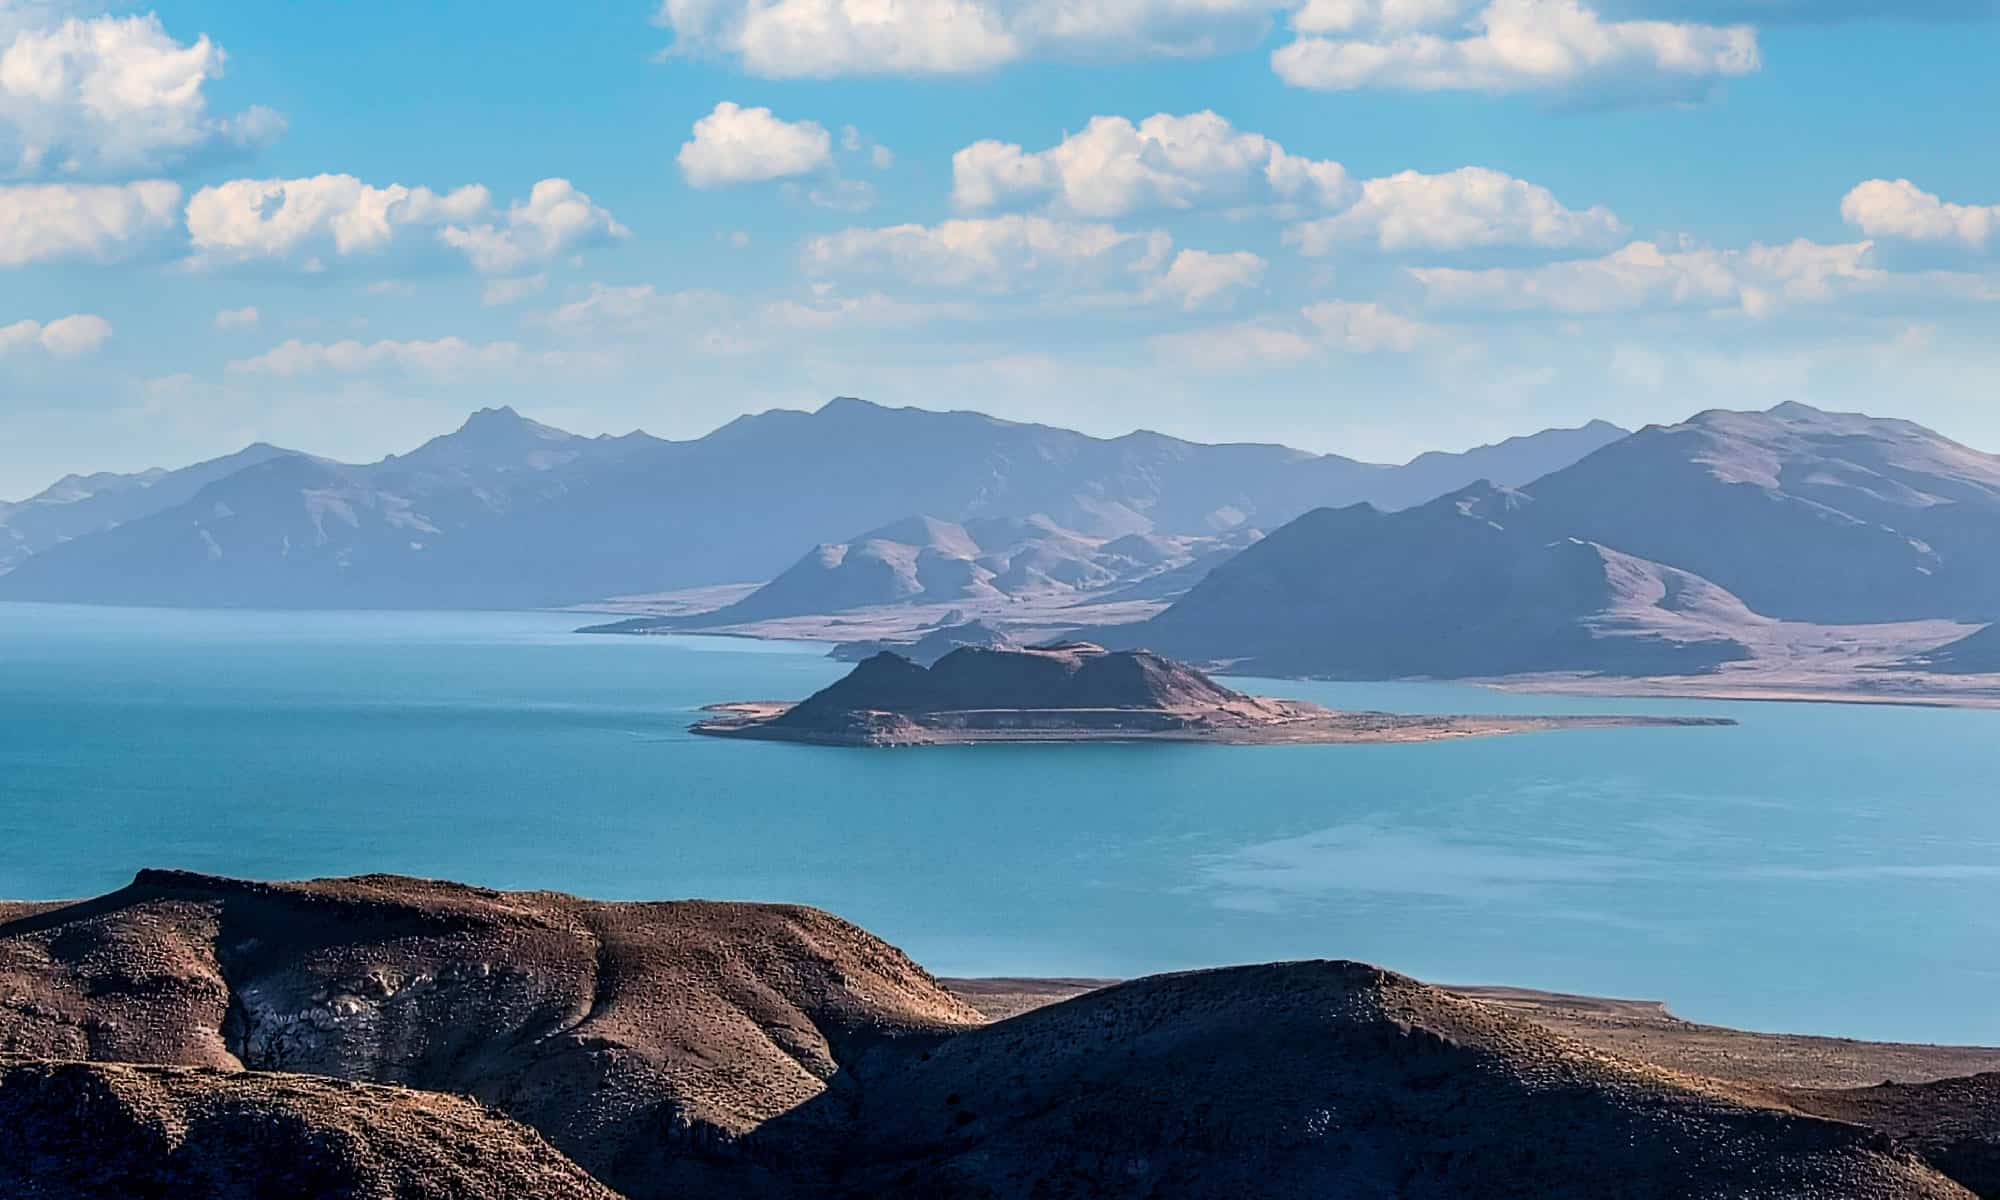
x: 1821, y: 868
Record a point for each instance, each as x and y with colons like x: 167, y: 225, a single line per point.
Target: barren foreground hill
x: 86, y: 1129
x: 695, y: 1049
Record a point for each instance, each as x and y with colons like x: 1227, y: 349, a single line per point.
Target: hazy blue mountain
x: 1808, y: 515
x: 293, y: 531
x: 76, y: 505
x: 507, y: 513
x: 1667, y: 547
x: 1512, y: 463
x: 1465, y: 585
x: 1974, y: 654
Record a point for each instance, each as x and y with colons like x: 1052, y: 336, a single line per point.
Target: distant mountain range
x: 1661, y: 553
x: 506, y: 512
x: 78, y: 505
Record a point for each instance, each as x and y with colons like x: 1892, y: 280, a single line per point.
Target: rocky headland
x: 388, y: 1037
x: 1079, y: 691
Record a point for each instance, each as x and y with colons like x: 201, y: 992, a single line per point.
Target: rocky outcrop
x: 78, y: 1131
x: 648, y: 1041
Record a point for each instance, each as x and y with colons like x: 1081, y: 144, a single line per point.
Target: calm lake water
x: 1822, y: 868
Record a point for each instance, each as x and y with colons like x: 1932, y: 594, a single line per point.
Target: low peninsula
x: 1079, y: 692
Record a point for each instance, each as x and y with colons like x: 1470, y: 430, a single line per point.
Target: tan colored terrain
x: 1636, y: 1029
x: 95, y: 1130
x: 694, y: 1049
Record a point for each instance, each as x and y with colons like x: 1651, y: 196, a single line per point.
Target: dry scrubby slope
x: 692, y: 1049
x: 88, y: 1130
x: 626, y: 1033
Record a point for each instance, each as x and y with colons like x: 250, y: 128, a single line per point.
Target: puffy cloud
x: 1754, y: 281
x: 1472, y: 206
x: 65, y: 337
x: 1900, y: 209
x: 443, y: 357
x: 1558, y: 46
x: 304, y: 218
x: 993, y: 254
x: 1806, y: 12
x: 1113, y: 168
x: 1330, y: 326
x: 828, y: 38
x: 275, y: 218
x: 114, y: 94
x: 734, y: 145
x: 1195, y: 277
x: 556, y: 219
x: 50, y: 222
x: 237, y: 318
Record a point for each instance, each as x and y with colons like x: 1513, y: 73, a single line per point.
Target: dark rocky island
x: 396, y: 1039
x: 1079, y: 691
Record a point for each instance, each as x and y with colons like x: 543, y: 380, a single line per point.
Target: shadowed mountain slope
x: 506, y: 513
x: 1322, y: 1079
x: 1975, y: 654
x: 1469, y: 584
x: 81, y: 1130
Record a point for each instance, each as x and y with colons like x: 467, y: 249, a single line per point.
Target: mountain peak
x: 491, y: 433
x: 849, y: 404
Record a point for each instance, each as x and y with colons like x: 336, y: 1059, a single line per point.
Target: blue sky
x: 1370, y: 226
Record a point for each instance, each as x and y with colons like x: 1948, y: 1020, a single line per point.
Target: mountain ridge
x: 509, y: 513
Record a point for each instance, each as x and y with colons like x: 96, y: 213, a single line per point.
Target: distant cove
x: 1821, y: 868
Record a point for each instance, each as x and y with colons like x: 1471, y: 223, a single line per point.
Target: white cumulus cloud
x: 1754, y: 281
x: 114, y: 94
x: 237, y: 318
x: 555, y: 219
x: 1883, y: 208
x: 65, y: 337
x: 1456, y: 210
x: 1113, y: 168
x: 304, y: 219
x: 1549, y: 46
x: 1197, y: 277
x: 56, y: 221
x: 734, y: 145
x: 829, y: 38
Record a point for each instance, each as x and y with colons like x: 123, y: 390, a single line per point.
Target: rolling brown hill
x: 77, y: 1130
x: 694, y: 1049
x: 644, y: 1040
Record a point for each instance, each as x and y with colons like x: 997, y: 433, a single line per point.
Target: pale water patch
x: 1822, y: 867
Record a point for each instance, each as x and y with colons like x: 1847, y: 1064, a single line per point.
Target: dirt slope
x: 86, y: 1130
